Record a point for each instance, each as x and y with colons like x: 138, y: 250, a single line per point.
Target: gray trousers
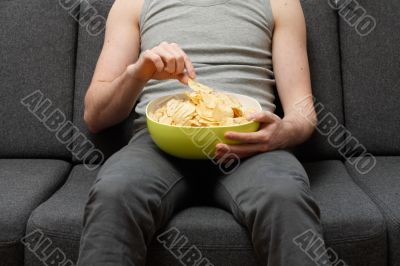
x: 139, y: 188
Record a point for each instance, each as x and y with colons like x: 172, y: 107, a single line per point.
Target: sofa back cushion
x: 370, y: 45
x: 324, y: 60
x: 37, y: 51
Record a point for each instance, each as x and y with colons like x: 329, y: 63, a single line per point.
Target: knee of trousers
x: 126, y: 194
x: 277, y: 198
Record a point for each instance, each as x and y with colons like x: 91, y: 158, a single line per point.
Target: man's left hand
x: 274, y: 133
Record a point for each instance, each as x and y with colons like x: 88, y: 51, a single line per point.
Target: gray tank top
x: 228, y: 41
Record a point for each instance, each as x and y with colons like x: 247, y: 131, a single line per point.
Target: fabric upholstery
x: 323, y: 51
x: 213, y: 230
x: 40, y: 45
x: 382, y: 184
x: 371, y: 79
x: 353, y: 226
x: 24, y: 184
x: 37, y: 51
x: 60, y: 218
x: 88, y: 51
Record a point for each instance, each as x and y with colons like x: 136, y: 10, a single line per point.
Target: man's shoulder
x: 286, y: 11
x: 128, y: 9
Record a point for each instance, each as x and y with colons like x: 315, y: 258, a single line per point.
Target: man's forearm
x: 109, y: 102
x: 298, y: 127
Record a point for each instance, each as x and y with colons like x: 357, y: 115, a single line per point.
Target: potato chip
x: 204, y: 112
x: 237, y: 111
x: 197, y: 87
x: 202, y: 107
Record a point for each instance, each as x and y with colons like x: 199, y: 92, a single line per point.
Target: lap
x: 275, y: 175
x: 265, y: 168
x: 141, y: 172
x: 141, y: 159
x: 142, y: 167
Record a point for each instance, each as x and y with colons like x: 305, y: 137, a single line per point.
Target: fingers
x: 263, y: 135
x: 265, y: 117
x: 183, y: 61
x: 269, y: 122
x: 151, y: 56
x: 167, y: 57
x: 183, y: 78
x: 174, y: 59
x: 245, y: 137
x: 189, y: 67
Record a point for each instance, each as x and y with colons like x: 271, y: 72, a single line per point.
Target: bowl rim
x: 182, y: 93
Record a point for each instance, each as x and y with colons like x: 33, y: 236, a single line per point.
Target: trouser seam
x: 159, y: 205
x: 169, y: 189
x: 241, y: 212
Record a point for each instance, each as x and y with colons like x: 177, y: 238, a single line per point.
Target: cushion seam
x: 55, y: 233
x: 382, y: 207
x: 377, y: 235
x: 210, y: 247
x: 9, y: 243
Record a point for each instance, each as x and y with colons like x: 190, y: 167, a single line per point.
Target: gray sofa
x: 44, y: 183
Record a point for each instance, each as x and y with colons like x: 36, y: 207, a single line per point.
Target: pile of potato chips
x: 202, y: 107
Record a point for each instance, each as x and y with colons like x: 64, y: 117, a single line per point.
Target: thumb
x: 183, y: 78
x: 264, y: 117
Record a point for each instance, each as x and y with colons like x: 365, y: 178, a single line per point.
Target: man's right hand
x: 117, y: 81
x: 165, y: 61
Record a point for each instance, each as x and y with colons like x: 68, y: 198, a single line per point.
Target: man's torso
x: 228, y: 41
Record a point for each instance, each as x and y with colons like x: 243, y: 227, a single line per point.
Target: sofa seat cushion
x: 354, y: 226
x: 219, y: 237
x: 60, y: 218
x: 24, y: 184
x: 382, y: 184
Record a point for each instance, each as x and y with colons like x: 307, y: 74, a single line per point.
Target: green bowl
x: 189, y: 142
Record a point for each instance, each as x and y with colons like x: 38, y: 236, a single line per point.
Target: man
x: 233, y: 45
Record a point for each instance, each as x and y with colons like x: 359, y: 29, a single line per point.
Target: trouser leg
x: 269, y: 194
x: 135, y: 193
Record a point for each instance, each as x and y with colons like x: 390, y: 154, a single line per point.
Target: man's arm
x: 112, y: 92
x: 291, y: 69
x: 289, y: 52
x: 120, y: 75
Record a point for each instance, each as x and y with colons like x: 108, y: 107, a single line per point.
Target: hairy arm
x: 289, y: 57
x: 112, y: 92
x: 291, y: 69
x: 121, y: 74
